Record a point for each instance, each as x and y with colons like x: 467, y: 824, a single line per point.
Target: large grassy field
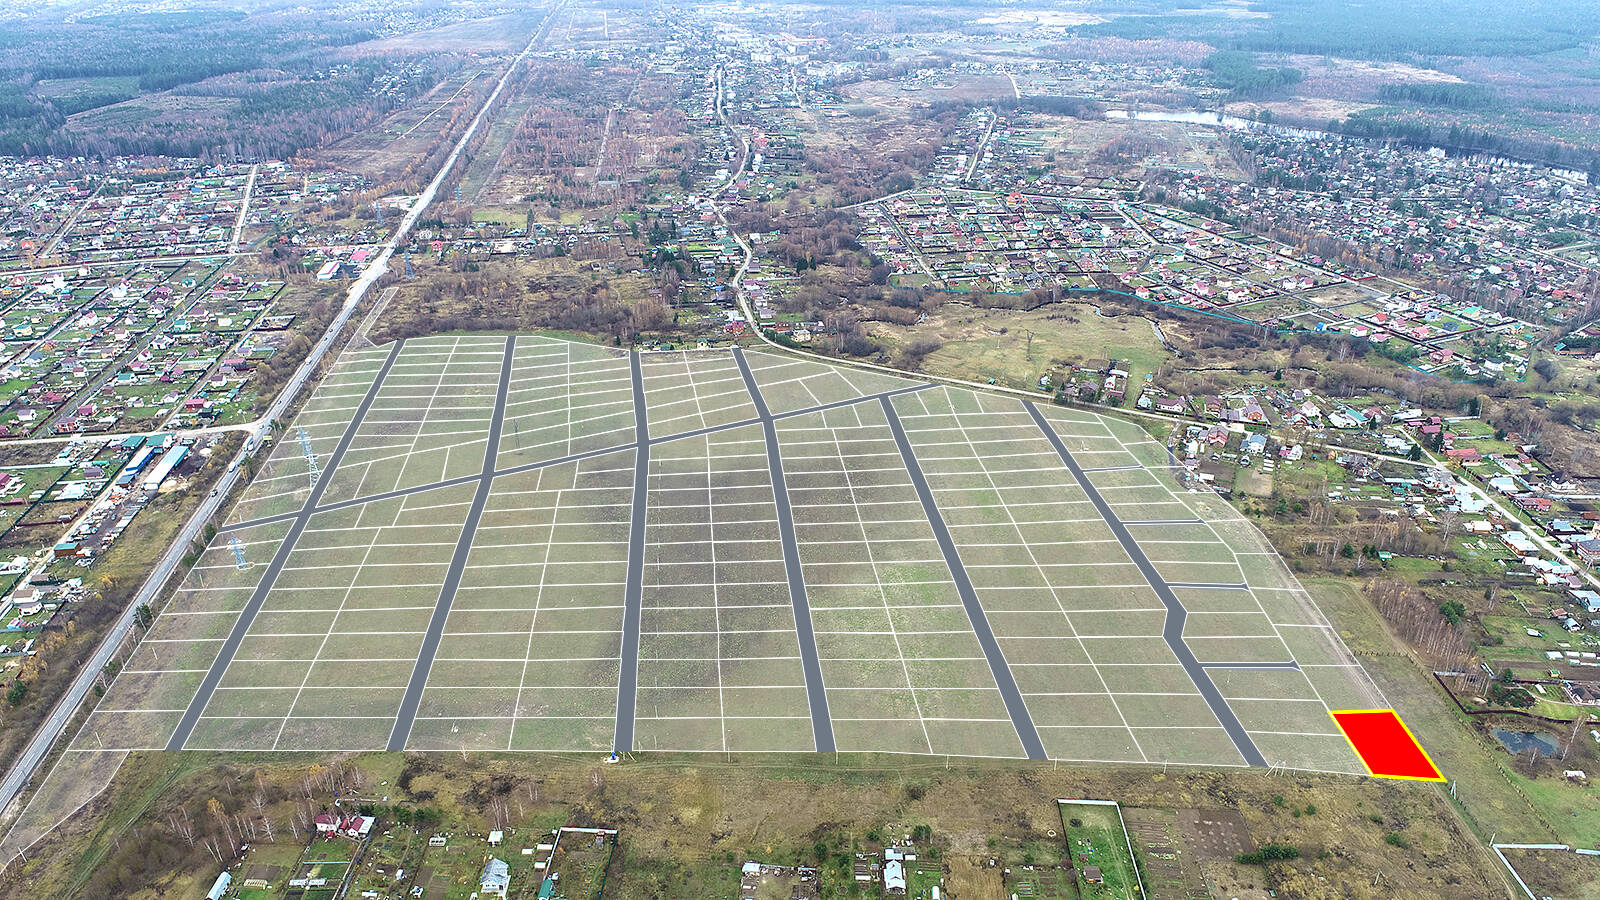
x: 1015, y: 348
x: 937, y: 580
x: 1496, y: 797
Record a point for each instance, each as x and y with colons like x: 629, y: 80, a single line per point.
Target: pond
x: 1192, y: 117
x: 1523, y: 741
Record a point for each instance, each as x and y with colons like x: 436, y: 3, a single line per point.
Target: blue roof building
x: 496, y: 878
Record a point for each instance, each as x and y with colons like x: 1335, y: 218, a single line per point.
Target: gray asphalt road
x: 821, y: 721
x: 258, y: 597
x: 1015, y: 707
x: 34, y: 753
x: 38, y: 747
x: 54, y: 725
x: 546, y: 463
x: 633, y: 592
x: 407, y: 714
x: 1172, y: 632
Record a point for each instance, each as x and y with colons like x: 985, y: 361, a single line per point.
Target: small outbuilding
x: 219, y: 887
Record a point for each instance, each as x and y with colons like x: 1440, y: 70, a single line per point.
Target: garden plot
x: 969, y: 574
x: 1243, y: 607
x: 284, y: 481
x: 719, y: 662
x: 789, y: 384
x: 901, y: 665
x: 529, y: 656
x: 160, y: 677
x: 565, y: 398
x: 1072, y: 611
x: 325, y: 661
x: 429, y: 421
x: 688, y: 390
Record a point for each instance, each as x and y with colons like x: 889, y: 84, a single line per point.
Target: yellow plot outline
x: 1335, y: 713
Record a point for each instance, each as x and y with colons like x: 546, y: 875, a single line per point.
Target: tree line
x: 1243, y: 77
x: 1448, y: 94
x: 120, y: 57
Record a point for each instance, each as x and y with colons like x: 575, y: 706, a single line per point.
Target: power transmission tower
x: 311, y: 456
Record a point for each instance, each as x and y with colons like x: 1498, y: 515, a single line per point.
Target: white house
x: 496, y: 878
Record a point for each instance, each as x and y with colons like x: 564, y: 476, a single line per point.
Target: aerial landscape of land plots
x: 525, y: 543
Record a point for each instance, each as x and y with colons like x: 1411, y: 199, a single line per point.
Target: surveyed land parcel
x: 526, y: 543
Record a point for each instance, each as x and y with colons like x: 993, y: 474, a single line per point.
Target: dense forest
x: 1373, y: 29
x: 1451, y: 95
x: 205, y: 79
x: 1465, y: 139
x: 1238, y: 72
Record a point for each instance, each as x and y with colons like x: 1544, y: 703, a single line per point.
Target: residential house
x: 1588, y: 551
x: 495, y: 879
x: 894, y: 870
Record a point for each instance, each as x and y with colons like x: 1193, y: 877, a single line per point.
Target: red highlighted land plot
x: 1386, y: 746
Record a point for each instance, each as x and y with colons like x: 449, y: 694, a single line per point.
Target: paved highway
x: 38, y: 747
x: 810, y: 663
x: 1016, y: 706
x: 1172, y: 630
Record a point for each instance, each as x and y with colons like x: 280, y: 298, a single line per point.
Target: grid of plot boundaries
x: 524, y: 543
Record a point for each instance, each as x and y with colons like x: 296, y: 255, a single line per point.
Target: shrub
x: 1268, y: 853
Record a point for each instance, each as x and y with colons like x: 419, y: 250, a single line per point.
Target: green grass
x: 475, y: 179
x: 921, y: 877
x: 150, y: 777
x: 996, y: 344
x: 1566, y: 712
x: 498, y: 216
x: 1099, y: 840
x: 109, y: 88
x: 1493, y: 796
x: 1574, y: 809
